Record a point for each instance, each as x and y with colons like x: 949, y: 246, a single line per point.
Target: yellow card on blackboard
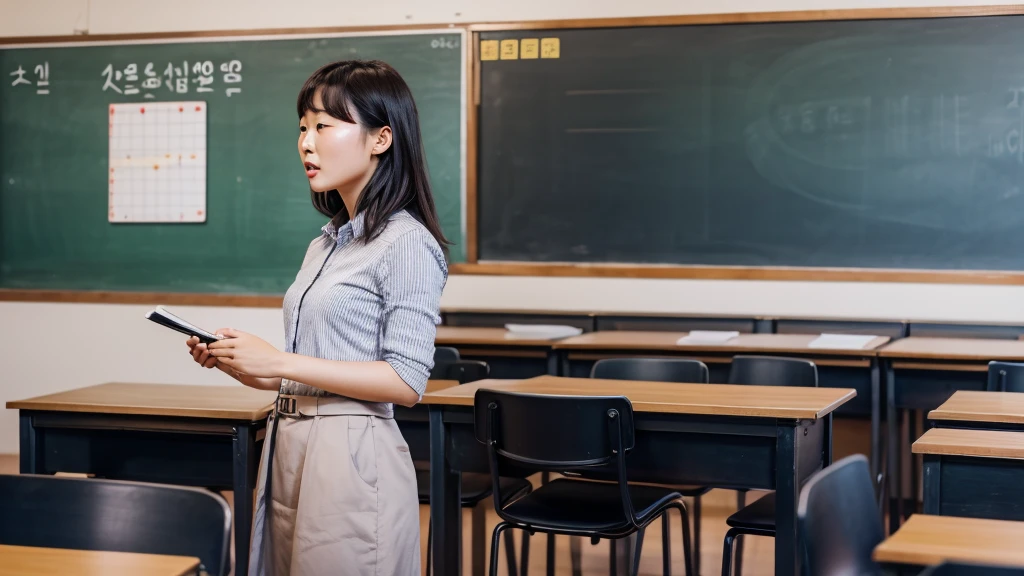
x: 510, y: 49
x: 550, y: 48
x: 529, y: 48
x: 488, y: 49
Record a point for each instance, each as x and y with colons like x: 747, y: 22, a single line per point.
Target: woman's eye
x: 302, y: 128
x: 319, y: 126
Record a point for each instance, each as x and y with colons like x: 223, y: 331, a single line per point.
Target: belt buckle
x: 286, y: 406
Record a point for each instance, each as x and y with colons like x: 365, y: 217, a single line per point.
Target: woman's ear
x: 383, y: 141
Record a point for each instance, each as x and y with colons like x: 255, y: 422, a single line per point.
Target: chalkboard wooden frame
x: 220, y: 299
x: 474, y: 266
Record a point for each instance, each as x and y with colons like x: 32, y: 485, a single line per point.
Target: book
x: 541, y: 331
x: 708, y: 337
x: 161, y: 316
x: 841, y: 341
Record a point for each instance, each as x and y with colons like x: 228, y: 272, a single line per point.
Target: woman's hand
x: 247, y: 354
x: 200, y: 353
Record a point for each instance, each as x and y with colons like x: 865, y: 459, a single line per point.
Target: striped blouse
x: 359, y: 301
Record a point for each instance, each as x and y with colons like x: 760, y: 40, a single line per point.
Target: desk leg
x: 787, y: 489
x: 876, y: 419
x: 445, y: 496
x: 30, y: 456
x: 554, y: 363
x: 932, y: 475
x: 246, y: 462
x: 892, y: 449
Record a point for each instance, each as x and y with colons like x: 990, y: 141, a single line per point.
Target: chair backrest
x: 90, y: 514
x: 466, y: 371
x: 443, y: 356
x: 956, y: 569
x: 651, y: 370
x: 839, y: 522
x: 773, y: 371
x: 1005, y: 377
x: 554, y: 433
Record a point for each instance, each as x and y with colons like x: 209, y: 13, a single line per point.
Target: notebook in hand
x: 166, y: 319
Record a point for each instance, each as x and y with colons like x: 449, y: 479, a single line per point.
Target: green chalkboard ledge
x: 997, y: 277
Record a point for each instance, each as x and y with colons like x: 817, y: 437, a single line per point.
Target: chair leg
x: 478, y: 552
x: 510, y: 552
x: 524, y: 554
x: 636, y: 553
x: 738, y: 571
x: 727, y: 551
x: 688, y: 562
x: 666, y: 546
x: 696, y: 535
x: 430, y: 541
x: 495, y: 544
x: 575, y: 545
x: 613, y: 558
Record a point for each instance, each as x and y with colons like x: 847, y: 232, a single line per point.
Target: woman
x: 337, y: 488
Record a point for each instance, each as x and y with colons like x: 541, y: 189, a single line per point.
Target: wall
x: 46, y: 348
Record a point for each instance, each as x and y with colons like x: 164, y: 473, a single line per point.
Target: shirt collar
x: 356, y: 226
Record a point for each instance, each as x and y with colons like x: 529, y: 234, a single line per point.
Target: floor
x: 718, y: 504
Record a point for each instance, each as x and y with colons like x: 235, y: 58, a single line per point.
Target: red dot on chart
x: 198, y: 108
x: 181, y: 108
x: 199, y: 212
x: 111, y: 180
x: 111, y: 110
x: 142, y: 110
x: 111, y: 170
x: 156, y: 166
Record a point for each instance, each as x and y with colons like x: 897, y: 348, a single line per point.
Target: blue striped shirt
x: 359, y: 301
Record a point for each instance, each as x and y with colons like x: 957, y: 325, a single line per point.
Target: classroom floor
x: 718, y: 504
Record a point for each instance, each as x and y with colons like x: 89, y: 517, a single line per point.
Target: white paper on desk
x: 542, y: 331
x: 708, y: 337
x: 842, y: 341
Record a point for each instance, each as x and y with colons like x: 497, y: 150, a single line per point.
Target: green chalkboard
x: 862, y: 143
x: 54, y: 229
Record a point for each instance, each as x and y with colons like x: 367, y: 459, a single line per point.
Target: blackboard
x: 54, y: 231
x: 862, y: 143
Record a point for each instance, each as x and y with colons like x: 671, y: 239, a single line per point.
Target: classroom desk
x: 926, y: 540
x: 761, y: 437
x: 414, y: 422
x: 508, y: 356
x: 207, y: 436
x: 38, y: 561
x: 921, y: 374
x: 986, y: 410
x: 842, y: 368
x: 975, y: 473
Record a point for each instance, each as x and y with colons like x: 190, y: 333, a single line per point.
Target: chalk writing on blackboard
x: 42, y: 74
x: 176, y: 77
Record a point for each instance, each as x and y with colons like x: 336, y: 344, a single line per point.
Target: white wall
x: 51, y: 347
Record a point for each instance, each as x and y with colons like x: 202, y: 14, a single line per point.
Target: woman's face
x: 337, y: 155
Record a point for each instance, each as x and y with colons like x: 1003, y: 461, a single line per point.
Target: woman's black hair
x: 379, y: 97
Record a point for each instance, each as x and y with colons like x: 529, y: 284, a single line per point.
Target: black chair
x: 957, y: 569
x: 529, y: 432
x: 663, y: 370
x: 443, y: 356
x: 475, y: 487
x: 116, y: 516
x: 1005, y: 377
x: 838, y: 521
x: 758, y: 519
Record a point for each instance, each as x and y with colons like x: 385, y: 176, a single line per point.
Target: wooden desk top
x: 975, y: 406
x: 469, y: 335
x: 669, y: 397
x: 222, y: 402
x: 744, y: 343
x: 975, y: 349
x: 436, y: 385
x: 926, y: 540
x: 980, y: 443
x: 19, y: 560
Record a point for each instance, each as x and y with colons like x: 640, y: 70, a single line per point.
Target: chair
x: 758, y: 519
x: 443, y: 356
x: 563, y: 434
x: 662, y: 370
x: 1005, y: 377
x: 956, y: 569
x: 838, y: 521
x: 475, y: 487
x: 117, y: 516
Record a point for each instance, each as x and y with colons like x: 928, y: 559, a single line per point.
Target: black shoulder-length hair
x: 379, y: 97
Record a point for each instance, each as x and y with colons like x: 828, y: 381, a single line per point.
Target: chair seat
x: 595, y: 507
x: 475, y: 487
x: 689, y: 490
x: 757, y: 516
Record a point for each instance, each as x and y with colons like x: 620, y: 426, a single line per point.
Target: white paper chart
x: 157, y: 162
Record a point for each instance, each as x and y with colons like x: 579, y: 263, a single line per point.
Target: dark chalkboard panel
x: 864, y: 143
x: 54, y: 232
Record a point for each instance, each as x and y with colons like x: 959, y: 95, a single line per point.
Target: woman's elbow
x: 408, y: 398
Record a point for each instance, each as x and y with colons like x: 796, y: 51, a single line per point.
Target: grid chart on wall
x: 157, y: 162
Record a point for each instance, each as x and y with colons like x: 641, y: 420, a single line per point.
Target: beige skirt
x: 343, y: 494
